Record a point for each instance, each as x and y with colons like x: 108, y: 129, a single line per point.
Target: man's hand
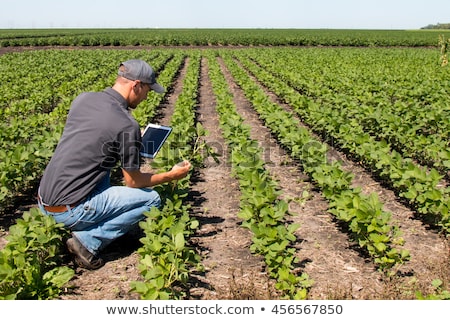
x: 139, y: 179
x: 180, y: 170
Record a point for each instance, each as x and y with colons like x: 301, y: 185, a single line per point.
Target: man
x: 99, y: 133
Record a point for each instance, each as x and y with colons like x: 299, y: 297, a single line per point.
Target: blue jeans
x: 107, y: 213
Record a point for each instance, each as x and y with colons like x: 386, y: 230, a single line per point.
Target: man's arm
x: 139, y: 179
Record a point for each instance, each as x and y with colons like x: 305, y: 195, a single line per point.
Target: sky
x: 299, y: 14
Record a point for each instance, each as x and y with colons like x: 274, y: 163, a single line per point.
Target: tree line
x: 438, y: 26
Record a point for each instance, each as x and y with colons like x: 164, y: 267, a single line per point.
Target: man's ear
x: 136, y: 85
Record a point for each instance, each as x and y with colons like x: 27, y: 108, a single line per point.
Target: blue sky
x: 333, y: 14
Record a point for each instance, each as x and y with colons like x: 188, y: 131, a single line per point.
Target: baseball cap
x: 140, y: 70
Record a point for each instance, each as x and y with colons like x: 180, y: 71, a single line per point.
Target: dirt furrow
x: 232, y: 272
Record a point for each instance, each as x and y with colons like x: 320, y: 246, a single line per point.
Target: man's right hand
x: 180, y: 170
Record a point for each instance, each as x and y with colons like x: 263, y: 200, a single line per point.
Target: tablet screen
x: 153, y: 139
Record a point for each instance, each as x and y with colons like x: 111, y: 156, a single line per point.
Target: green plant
x: 439, y: 294
x: 369, y: 225
x: 29, y: 262
x: 261, y: 210
x: 166, y: 259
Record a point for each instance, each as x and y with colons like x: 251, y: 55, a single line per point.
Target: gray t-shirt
x: 99, y: 133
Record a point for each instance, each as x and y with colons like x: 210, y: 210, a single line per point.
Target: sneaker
x: 83, y: 257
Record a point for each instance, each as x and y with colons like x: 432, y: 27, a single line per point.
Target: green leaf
x: 179, y: 241
x: 59, y: 276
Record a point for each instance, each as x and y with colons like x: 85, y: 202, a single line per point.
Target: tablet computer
x: 153, y: 139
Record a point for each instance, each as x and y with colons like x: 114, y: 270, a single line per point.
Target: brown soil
x: 338, y: 268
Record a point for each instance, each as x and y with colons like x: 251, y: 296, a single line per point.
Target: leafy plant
x: 368, y: 223
x: 261, y: 210
x: 29, y: 264
x: 440, y: 293
x: 166, y: 259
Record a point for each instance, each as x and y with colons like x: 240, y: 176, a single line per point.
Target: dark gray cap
x: 140, y: 70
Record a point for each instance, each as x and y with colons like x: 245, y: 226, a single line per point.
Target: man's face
x: 141, y: 91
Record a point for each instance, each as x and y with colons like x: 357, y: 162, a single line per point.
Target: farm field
x: 331, y: 180
x: 219, y: 37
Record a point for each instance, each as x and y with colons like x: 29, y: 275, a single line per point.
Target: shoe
x: 83, y: 257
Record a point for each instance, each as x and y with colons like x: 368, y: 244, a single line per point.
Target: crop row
x: 166, y: 259
x: 370, y: 225
x: 261, y: 210
x: 222, y: 37
x: 420, y: 186
x: 406, y: 105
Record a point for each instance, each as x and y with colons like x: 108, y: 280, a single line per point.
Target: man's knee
x: 154, y: 199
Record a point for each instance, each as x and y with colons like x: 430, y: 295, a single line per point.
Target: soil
x: 324, y: 250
